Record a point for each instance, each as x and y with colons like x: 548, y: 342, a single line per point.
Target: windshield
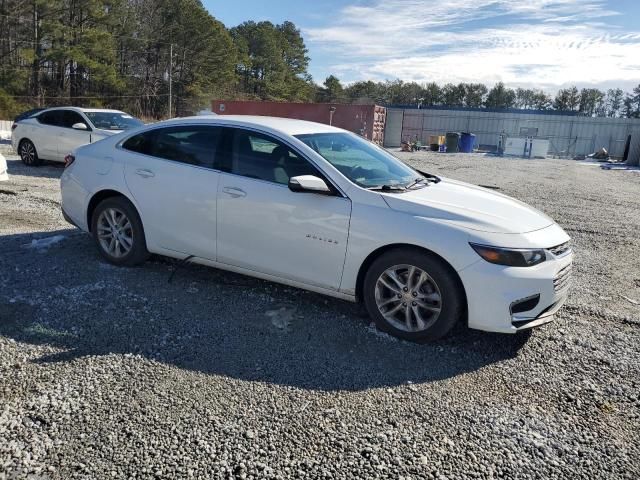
x: 361, y: 161
x: 112, y: 120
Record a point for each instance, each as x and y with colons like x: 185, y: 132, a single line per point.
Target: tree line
x: 590, y: 102
x: 136, y: 55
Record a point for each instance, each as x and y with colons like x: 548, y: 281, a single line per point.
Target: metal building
x: 568, y: 135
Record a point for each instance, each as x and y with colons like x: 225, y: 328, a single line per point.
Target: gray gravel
x: 115, y: 373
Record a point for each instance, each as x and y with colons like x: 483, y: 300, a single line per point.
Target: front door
x: 170, y: 174
x: 45, y: 134
x: 265, y: 227
x: 69, y: 138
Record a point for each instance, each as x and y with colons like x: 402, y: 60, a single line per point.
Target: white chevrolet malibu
x: 317, y: 207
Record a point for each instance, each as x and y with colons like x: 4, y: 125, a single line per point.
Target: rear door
x: 170, y: 174
x: 70, y: 138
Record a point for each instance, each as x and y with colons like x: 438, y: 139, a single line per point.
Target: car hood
x: 470, y: 207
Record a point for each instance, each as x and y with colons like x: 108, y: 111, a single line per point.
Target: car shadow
x: 62, y: 294
x: 48, y: 169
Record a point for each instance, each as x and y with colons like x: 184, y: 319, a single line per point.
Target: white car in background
x: 53, y: 133
x: 4, y: 175
x: 320, y: 208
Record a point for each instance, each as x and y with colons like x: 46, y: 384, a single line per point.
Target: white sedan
x: 53, y: 133
x: 317, y: 207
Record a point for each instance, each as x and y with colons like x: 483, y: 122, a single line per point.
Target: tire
x: 126, y: 247
x: 28, y: 153
x: 425, y: 288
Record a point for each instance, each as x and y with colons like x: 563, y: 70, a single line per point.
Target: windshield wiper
x: 388, y: 188
x: 416, y: 182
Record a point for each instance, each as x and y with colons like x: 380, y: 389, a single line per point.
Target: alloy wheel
x: 115, y: 232
x: 408, y: 298
x: 27, y: 153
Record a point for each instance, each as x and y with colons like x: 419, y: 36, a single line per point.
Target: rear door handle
x: 234, y: 192
x: 144, y: 173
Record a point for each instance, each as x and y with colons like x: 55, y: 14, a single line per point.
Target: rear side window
x: 51, y: 117
x: 262, y: 157
x: 140, y: 143
x: 193, y: 145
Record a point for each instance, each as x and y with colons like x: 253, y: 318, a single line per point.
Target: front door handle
x: 144, y: 173
x: 234, y: 192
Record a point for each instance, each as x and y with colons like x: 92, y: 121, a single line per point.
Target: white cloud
x: 543, y: 43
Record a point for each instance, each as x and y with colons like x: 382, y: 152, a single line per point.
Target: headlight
x: 512, y: 257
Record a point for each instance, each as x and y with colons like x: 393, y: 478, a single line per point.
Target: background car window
x: 262, y: 157
x: 194, y: 145
x: 113, y: 120
x: 51, y: 117
x: 69, y: 118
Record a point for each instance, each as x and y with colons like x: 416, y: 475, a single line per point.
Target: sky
x: 546, y: 44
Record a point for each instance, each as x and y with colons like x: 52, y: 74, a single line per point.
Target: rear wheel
x: 118, y: 233
x: 28, y: 153
x: 413, y: 295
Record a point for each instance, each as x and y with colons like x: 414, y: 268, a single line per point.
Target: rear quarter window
x: 141, y: 143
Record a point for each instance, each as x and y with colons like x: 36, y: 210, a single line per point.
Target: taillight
x: 68, y: 160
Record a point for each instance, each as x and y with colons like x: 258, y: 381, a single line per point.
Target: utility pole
x: 170, y: 74
x: 36, y: 59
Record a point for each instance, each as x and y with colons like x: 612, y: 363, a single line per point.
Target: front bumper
x: 492, y: 290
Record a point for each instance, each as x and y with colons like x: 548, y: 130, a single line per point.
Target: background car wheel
x: 28, y: 154
x: 413, y: 295
x: 117, y: 230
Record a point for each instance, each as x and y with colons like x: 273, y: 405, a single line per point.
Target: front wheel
x: 118, y: 233
x: 413, y: 295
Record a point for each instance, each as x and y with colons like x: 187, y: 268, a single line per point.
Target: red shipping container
x: 365, y: 120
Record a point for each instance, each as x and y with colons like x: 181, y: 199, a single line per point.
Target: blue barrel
x: 467, y: 141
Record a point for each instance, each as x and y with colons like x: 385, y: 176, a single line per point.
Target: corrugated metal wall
x: 567, y: 135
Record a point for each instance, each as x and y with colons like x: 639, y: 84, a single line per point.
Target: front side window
x: 112, y: 120
x: 70, y: 118
x: 259, y: 156
x: 362, y: 162
x: 194, y: 145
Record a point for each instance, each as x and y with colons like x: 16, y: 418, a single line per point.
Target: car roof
x: 288, y: 126
x: 85, y: 110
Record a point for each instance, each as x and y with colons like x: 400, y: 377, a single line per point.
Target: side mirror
x: 309, y: 184
x: 79, y: 126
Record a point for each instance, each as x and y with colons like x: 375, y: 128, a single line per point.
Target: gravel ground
x: 116, y: 373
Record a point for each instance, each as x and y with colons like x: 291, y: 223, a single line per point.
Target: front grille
x: 562, y: 279
x: 560, y: 249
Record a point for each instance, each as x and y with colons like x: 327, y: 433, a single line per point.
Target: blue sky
x: 534, y: 43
